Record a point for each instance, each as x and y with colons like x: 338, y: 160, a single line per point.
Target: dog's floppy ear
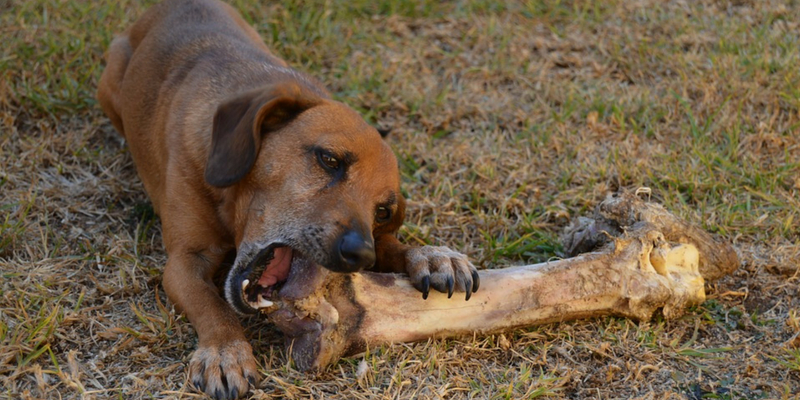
x: 240, y: 122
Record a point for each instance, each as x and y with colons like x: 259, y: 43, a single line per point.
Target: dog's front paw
x: 441, y: 268
x: 224, y: 372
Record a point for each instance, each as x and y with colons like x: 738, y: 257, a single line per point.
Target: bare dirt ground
x: 509, y: 118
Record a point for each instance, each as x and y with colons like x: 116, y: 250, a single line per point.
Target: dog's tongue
x: 278, y: 267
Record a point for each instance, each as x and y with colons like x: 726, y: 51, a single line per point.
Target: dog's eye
x: 382, y: 214
x: 329, y: 161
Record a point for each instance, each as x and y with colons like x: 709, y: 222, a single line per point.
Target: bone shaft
x: 509, y: 298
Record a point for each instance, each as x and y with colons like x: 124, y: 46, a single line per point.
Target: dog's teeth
x: 245, y: 283
x: 262, y: 302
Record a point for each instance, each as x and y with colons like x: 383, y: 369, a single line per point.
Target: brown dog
x: 239, y: 153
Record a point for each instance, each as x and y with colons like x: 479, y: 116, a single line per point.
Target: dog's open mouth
x: 269, y: 270
x: 253, y: 287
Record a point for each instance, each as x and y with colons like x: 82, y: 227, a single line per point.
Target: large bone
x: 646, y: 260
x: 327, y: 315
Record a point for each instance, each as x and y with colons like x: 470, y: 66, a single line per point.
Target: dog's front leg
x: 438, y: 267
x: 223, y: 365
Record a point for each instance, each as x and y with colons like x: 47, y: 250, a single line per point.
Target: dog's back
x: 177, y: 52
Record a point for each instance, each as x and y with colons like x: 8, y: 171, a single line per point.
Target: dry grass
x: 509, y: 118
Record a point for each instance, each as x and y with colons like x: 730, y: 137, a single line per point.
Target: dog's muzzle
x: 260, y: 270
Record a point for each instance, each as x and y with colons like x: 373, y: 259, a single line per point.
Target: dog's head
x: 308, y: 180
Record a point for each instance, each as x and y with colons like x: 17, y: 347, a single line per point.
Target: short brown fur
x: 223, y: 134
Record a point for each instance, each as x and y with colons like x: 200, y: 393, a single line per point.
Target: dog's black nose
x: 355, y: 252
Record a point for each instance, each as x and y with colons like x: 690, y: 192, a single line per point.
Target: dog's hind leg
x: 108, y: 90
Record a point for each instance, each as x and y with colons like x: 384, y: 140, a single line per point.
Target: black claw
x: 469, y: 294
x: 252, y: 381
x: 218, y: 394
x: 426, y: 287
x: 234, y: 393
x: 476, y: 281
x: 450, y: 286
x: 199, y: 379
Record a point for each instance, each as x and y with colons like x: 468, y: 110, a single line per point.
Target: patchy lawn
x: 509, y: 118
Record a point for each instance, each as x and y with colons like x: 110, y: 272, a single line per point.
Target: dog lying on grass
x: 241, y: 154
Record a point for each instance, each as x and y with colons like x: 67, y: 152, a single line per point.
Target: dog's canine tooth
x: 262, y: 302
x: 245, y: 283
